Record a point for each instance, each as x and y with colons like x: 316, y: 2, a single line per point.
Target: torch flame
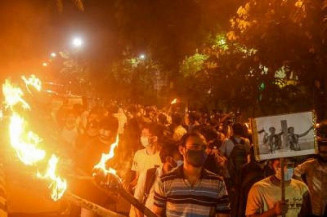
x: 25, y: 142
x: 57, y: 185
x: 174, y: 101
x: 32, y: 81
x: 105, y: 157
x: 13, y: 96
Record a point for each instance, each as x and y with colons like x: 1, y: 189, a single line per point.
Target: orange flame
x: 105, y: 157
x: 57, y: 185
x: 33, y: 81
x: 174, y: 101
x: 25, y: 142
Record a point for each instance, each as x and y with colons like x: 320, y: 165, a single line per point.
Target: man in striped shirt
x: 190, y: 190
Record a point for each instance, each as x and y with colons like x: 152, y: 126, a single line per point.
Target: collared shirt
x: 143, y: 161
x: 177, y: 197
x: 316, y: 178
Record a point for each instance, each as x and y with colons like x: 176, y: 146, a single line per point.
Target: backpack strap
x: 149, y: 181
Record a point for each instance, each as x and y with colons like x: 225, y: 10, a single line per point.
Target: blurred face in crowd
x: 194, y: 151
x: 70, y: 122
x: 92, y: 130
x: 288, y: 169
x: 147, y: 139
x: 105, y: 135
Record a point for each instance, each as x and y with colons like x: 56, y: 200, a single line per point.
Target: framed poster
x: 288, y: 135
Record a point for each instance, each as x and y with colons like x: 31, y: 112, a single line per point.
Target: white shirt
x: 143, y: 161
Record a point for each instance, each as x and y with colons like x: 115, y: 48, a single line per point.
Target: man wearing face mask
x: 148, y: 157
x: 144, y: 191
x: 264, y: 199
x: 315, y: 172
x: 190, y: 190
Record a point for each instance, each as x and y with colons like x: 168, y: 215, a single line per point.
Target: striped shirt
x: 177, y: 197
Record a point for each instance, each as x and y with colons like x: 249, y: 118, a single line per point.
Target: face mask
x: 288, y: 174
x: 196, y: 157
x: 144, y: 141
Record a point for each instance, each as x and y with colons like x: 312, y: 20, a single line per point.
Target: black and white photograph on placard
x: 287, y: 135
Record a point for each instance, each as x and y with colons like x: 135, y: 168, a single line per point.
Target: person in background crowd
x: 144, y: 191
x: 264, y: 199
x: 178, y: 129
x: 315, y: 173
x: 181, y: 191
x: 69, y: 133
x: 194, y: 120
x: 122, y: 120
x: 250, y: 173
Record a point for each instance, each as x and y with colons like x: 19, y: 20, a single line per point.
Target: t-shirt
x: 140, y: 190
x: 177, y: 197
x: 143, y: 161
x: 316, y: 178
x: 265, y: 193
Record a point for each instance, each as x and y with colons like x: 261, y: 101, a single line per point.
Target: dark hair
x: 167, y: 151
x: 162, y: 118
x: 238, y: 129
x: 177, y: 119
x: 189, y: 135
x: 151, y: 127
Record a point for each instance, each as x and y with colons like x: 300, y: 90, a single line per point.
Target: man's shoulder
x: 299, y: 184
x: 173, y: 174
x: 140, y: 152
x: 264, y: 183
x: 210, y: 175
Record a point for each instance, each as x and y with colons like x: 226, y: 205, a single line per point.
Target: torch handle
x: 137, y: 204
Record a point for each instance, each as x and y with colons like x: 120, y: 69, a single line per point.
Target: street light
x: 44, y: 64
x: 53, y: 54
x: 77, y: 42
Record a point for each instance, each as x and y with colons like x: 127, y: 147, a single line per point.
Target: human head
x: 238, y: 129
x: 92, y: 128
x: 288, y: 168
x: 108, y: 129
x: 272, y: 130
x: 148, y: 136
x: 193, y: 148
x: 322, y: 148
x: 70, y: 122
x: 177, y: 119
x: 290, y: 130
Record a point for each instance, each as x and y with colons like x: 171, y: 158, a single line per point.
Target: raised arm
x: 306, y: 132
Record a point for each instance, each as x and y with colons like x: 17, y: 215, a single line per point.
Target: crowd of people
x: 189, y: 163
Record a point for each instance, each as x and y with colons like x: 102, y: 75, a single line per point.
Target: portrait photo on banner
x: 287, y: 135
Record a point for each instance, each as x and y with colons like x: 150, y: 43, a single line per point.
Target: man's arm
x: 160, y: 199
x: 139, y: 192
x: 305, y: 133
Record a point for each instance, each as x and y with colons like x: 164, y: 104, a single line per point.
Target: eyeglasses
x: 197, y: 147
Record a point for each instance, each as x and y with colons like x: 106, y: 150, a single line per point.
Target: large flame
x: 57, y: 184
x: 105, y: 157
x: 26, y: 142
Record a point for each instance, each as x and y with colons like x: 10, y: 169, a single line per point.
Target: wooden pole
x: 282, y: 182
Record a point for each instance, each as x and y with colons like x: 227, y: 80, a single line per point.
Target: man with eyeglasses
x: 315, y: 173
x: 264, y: 198
x: 190, y: 190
